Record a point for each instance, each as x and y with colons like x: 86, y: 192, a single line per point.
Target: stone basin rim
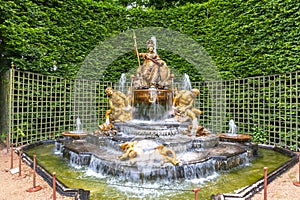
x: 244, y: 193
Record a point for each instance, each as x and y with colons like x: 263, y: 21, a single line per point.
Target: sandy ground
x: 13, y: 187
x: 282, y: 188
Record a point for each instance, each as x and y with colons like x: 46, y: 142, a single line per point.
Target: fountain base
x: 198, y: 157
x: 74, y: 134
x: 235, y: 137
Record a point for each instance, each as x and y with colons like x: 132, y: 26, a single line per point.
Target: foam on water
x: 91, y: 172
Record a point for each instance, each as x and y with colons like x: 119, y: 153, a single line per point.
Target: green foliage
x: 270, y: 101
x: 244, y: 38
x: 3, y: 135
x: 20, y: 132
x: 38, y: 35
x: 158, y: 4
x: 259, y: 135
x: 258, y: 38
x: 291, y: 139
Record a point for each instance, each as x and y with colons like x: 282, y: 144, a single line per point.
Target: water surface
x: 107, y: 187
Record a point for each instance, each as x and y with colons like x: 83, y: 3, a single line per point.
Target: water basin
x: 236, y: 181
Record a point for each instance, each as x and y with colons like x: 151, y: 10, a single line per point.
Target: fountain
x: 77, y: 133
x: 151, y: 144
x: 152, y: 133
x: 232, y: 135
x: 232, y: 128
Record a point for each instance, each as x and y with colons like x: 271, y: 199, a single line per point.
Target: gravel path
x: 282, y: 188
x: 13, y: 186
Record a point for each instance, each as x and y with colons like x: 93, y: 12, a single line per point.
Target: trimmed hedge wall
x: 244, y: 38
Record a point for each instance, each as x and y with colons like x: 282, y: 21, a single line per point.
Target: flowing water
x: 122, y: 83
x: 186, y: 83
x: 108, y: 187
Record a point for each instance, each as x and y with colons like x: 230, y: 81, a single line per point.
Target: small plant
x: 53, y: 136
x: 259, y: 135
x: 19, y: 133
x: 3, y: 136
x: 290, y: 139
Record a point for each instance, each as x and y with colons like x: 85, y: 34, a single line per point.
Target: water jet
x: 156, y: 134
x: 157, y: 128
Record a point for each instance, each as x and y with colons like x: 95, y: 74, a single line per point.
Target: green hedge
x: 244, y: 38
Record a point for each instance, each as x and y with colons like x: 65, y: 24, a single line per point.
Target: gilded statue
x: 183, y: 105
x: 200, y: 131
x: 168, y: 154
x: 154, y: 72
x: 119, y: 104
x: 129, y: 151
x: 105, y: 129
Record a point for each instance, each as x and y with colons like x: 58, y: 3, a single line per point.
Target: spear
x: 136, y: 49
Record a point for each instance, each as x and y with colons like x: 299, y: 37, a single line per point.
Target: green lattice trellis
x: 42, y: 106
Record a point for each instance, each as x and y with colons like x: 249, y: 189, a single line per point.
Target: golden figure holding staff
x: 153, y: 72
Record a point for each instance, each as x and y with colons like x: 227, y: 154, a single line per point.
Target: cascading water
x: 143, y: 170
x: 162, y: 139
x: 152, y: 104
x: 198, y: 158
x: 79, y: 161
x: 58, y: 148
x: 154, y: 145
